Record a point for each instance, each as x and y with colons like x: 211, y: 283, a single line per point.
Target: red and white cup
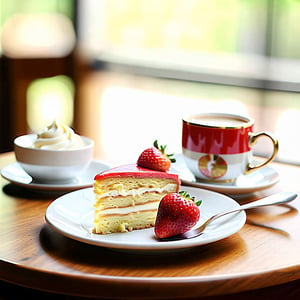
x: 218, y: 147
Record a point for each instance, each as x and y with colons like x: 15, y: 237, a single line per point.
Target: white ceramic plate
x: 15, y: 174
x: 257, y: 180
x: 72, y: 216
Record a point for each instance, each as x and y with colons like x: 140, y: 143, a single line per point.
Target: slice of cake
x: 127, y: 197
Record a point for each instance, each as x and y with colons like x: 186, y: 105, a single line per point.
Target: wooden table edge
x: 90, y: 285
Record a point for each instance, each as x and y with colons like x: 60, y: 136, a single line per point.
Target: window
x: 231, y: 55
x: 240, y: 42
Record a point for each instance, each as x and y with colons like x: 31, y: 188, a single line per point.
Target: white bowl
x: 52, y: 165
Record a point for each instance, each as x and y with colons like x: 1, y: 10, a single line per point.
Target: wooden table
x: 261, y: 259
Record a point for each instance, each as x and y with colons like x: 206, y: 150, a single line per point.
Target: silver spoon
x: 279, y: 198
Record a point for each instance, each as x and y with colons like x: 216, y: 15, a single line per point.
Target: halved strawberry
x: 155, y: 158
x: 177, y: 213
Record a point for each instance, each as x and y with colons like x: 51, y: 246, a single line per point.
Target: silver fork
x: 279, y: 198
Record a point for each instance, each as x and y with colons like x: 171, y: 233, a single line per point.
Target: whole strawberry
x: 177, y: 213
x: 155, y: 158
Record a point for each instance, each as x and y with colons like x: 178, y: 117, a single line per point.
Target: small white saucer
x: 257, y: 180
x: 15, y: 174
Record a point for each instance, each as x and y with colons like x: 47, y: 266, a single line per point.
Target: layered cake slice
x: 127, y: 197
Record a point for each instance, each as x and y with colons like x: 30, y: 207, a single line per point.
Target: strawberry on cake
x: 127, y: 197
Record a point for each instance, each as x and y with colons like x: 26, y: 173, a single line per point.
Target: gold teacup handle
x: 252, y: 141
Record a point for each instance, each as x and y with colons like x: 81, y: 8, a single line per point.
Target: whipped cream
x: 58, y: 136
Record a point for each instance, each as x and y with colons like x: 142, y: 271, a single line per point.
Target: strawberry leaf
x: 198, y: 203
x: 186, y: 195
x: 162, y: 149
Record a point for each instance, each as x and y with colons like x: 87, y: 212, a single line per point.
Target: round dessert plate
x: 257, y: 180
x: 72, y: 216
x: 15, y: 174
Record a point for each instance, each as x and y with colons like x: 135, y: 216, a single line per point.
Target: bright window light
x: 132, y: 118
x: 287, y: 126
x: 49, y: 99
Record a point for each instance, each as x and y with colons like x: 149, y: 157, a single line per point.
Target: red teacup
x: 218, y: 146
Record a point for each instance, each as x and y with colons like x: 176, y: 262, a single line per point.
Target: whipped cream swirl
x: 58, y: 136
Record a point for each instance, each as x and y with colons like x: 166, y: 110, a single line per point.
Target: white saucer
x: 72, y: 216
x: 15, y: 174
x: 257, y: 180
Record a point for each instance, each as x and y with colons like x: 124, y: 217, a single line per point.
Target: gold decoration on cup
x: 212, y: 166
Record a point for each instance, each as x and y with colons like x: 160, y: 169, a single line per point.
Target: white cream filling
x: 130, y: 209
x: 136, y: 192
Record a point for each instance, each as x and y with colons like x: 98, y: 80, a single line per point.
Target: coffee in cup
x: 218, y: 147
